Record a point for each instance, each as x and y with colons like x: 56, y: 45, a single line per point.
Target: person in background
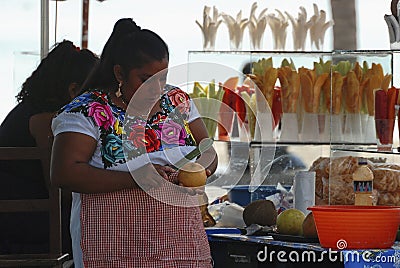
x: 117, y: 159
x: 57, y: 79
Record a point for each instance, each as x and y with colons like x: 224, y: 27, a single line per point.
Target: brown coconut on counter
x: 261, y: 212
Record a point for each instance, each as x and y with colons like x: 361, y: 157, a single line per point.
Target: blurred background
x: 358, y: 25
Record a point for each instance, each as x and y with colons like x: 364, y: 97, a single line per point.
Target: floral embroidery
x: 124, y: 138
x: 158, y: 118
x: 137, y: 137
x: 152, y: 141
x: 101, y: 114
x: 171, y: 133
x: 112, y: 150
x: 179, y: 100
x: 118, y: 128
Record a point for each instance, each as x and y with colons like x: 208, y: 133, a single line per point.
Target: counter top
x: 269, y: 240
x: 348, y: 258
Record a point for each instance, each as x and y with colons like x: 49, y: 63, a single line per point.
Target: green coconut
x: 290, y: 222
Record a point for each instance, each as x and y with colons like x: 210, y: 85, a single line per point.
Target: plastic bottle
x: 363, y: 179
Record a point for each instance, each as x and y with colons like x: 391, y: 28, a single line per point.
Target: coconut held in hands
x: 192, y: 174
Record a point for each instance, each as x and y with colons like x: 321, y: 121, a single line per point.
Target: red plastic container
x: 356, y: 227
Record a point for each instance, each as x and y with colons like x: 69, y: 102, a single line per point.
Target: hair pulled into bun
x: 125, y: 26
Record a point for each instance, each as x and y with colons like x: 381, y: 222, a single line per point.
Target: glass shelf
x: 364, y: 149
x: 237, y: 59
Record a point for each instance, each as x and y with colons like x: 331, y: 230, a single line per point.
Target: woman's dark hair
x: 130, y: 47
x: 47, y: 87
x: 246, y: 69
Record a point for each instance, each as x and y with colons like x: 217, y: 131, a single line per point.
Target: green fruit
x: 290, y: 222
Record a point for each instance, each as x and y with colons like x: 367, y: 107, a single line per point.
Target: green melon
x: 290, y: 222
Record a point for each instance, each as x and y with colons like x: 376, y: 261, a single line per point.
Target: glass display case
x: 312, y: 131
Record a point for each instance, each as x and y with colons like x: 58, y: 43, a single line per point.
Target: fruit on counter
x: 208, y: 101
x: 374, y: 78
x: 332, y: 92
x: 264, y: 76
x: 234, y: 103
x: 353, y: 97
x: 385, y: 101
x: 290, y: 222
x: 261, y: 212
x: 311, y: 86
x: 192, y: 174
x: 276, y: 106
x: 251, y: 110
x: 290, y: 88
x: 227, y: 111
x: 248, y: 87
x: 309, y: 228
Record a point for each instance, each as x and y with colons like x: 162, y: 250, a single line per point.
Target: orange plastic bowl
x: 356, y: 227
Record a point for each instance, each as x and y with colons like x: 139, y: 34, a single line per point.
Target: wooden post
x: 85, y: 23
x: 345, y: 28
x: 44, y: 28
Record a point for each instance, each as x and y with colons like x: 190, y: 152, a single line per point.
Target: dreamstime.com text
x: 323, y: 256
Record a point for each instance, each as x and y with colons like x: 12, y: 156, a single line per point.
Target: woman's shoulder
x: 170, y: 90
x: 174, y: 97
x: 83, y: 102
x: 95, y: 107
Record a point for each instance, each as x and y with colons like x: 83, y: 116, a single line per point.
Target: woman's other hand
x: 151, y: 175
x: 192, y: 190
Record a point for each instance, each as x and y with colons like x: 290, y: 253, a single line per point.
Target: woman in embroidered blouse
x: 137, y: 218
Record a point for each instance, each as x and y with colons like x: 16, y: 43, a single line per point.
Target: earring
x: 118, y: 93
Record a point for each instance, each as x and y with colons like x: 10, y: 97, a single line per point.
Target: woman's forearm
x: 70, y: 168
x: 84, y: 178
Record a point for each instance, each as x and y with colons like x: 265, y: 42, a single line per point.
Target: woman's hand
x: 151, y: 175
x: 164, y: 171
x: 192, y: 190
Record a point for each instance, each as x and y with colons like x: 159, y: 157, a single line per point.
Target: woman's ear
x: 73, y: 90
x: 118, y: 72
